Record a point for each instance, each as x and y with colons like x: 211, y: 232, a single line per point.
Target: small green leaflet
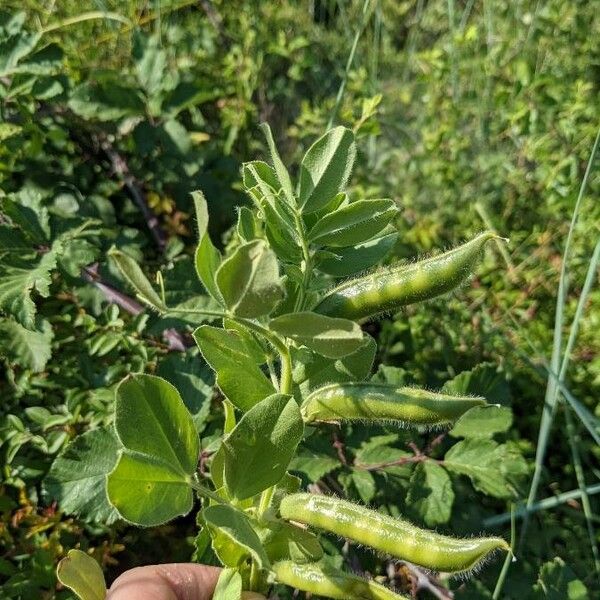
x: 353, y: 224
x: 282, y: 173
x: 233, y: 537
x: 82, y: 574
x: 151, y: 482
x: 134, y: 276
x: 207, y: 258
x: 229, y: 585
x: 557, y: 581
x: 249, y: 280
x: 226, y: 352
x: 259, y: 449
x: 330, y: 337
x: 483, y: 421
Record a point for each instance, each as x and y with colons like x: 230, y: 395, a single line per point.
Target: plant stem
x: 510, y: 557
x: 307, y: 267
x: 204, y: 491
x: 88, y: 16
x: 342, y: 88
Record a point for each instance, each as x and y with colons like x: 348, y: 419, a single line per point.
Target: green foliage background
x: 486, y: 119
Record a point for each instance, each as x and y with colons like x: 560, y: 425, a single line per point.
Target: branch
x: 120, y: 167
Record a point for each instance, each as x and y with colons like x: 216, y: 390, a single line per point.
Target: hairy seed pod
x: 386, y: 534
x: 330, y: 583
x: 382, y: 402
x: 399, y: 285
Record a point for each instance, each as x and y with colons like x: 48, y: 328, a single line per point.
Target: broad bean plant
x: 276, y: 308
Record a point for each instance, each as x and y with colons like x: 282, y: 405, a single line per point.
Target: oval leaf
x: 150, y: 483
x: 258, y: 451
x: 330, y: 337
x: 82, y: 574
x: 249, y: 280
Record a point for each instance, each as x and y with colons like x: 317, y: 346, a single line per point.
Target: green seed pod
x: 391, y: 536
x: 399, y: 285
x: 330, y: 583
x: 383, y: 402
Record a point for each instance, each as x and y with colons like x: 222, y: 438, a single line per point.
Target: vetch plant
x: 279, y: 315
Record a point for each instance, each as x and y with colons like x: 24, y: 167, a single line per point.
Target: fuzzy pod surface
x: 368, y: 401
x: 395, y: 537
x: 399, y: 285
x: 331, y: 583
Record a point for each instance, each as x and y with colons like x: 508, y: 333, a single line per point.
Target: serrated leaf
x: 313, y: 466
x: 77, y: 478
x: 325, y: 168
x: 30, y: 349
x: 151, y: 482
x: 492, y: 468
x: 234, y: 539
x: 330, y: 337
x: 430, y: 494
x: 26, y: 211
x: 249, y: 280
x: 353, y: 224
x: 18, y: 282
x: 557, y: 581
x: 82, y: 574
x: 483, y: 380
x: 365, y: 484
x: 258, y: 450
x: 483, y: 421
x: 226, y: 352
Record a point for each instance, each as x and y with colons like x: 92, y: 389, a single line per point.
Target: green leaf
x: 260, y: 182
x: 226, y: 352
x: 312, y: 370
x: 325, y: 168
x: 19, y: 280
x: 284, y: 541
x: 207, y: 258
x: 313, y: 466
x: 483, y: 380
x: 105, y: 100
x: 151, y: 482
x: 26, y: 211
x: 349, y: 261
x: 234, y: 539
x: 330, y: 337
x: 229, y: 585
x: 150, y: 61
x: 249, y: 280
x: 81, y: 573
x: 193, y: 379
x: 365, y: 484
x: 493, y: 468
x: 258, y: 451
x: 430, y: 495
x: 483, y: 421
x: 77, y: 478
x: 353, y: 224
x: 134, y: 276
x: 557, y: 581
x: 29, y: 349
x: 282, y: 174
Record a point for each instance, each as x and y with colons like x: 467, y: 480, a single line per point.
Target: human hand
x: 176, y: 581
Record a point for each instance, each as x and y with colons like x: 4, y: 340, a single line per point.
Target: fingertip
x: 176, y: 581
